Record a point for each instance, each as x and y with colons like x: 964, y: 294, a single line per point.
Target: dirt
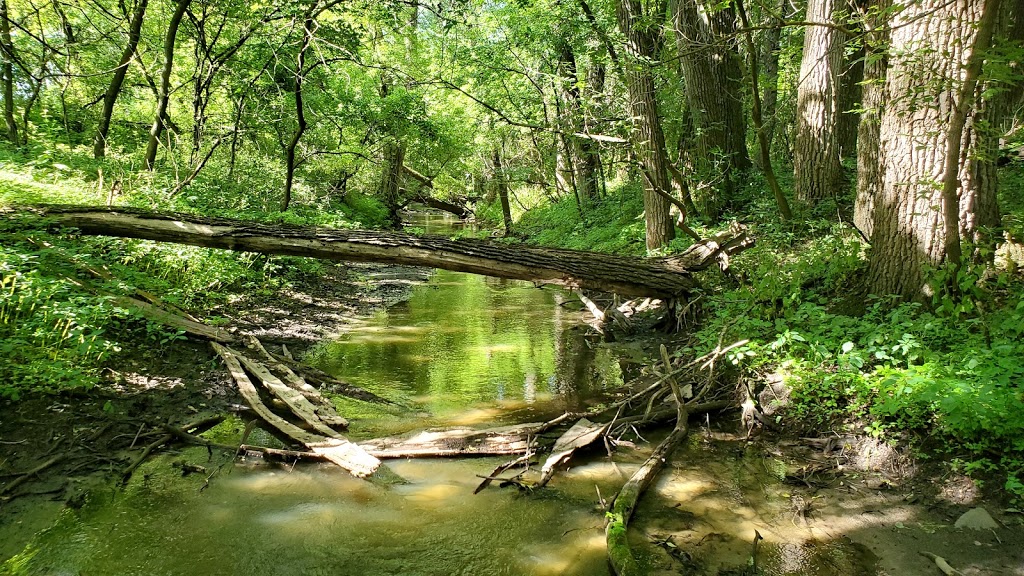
x: 863, y: 499
x: 96, y: 434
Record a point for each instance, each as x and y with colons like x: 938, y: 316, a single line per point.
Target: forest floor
x: 852, y: 494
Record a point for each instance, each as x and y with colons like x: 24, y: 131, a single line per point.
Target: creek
x: 461, y: 350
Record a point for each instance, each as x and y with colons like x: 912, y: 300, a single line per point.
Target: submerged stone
x: 977, y: 519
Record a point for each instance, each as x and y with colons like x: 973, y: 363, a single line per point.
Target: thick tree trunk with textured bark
x: 816, y: 165
x: 389, y: 189
x: 713, y: 81
x: 165, y: 84
x: 869, y: 161
x: 641, y: 31
x: 7, y: 49
x: 657, y: 277
x: 99, y: 149
x: 928, y: 70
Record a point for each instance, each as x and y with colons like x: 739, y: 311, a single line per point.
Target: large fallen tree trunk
x: 626, y: 276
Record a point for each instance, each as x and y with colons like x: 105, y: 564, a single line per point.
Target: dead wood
x: 524, y: 459
x: 619, y: 554
x: 338, y: 450
x: 204, y: 423
x: 9, y: 487
x: 455, y: 442
x: 660, y: 277
x: 296, y: 402
x: 582, y: 434
x: 324, y: 409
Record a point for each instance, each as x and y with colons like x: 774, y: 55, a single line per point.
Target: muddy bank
x: 88, y: 438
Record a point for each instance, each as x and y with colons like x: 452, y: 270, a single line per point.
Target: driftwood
x: 337, y: 450
x: 524, y: 459
x: 455, y: 442
x: 323, y: 408
x: 292, y: 398
x: 582, y: 434
x: 204, y: 423
x: 9, y: 487
x: 659, y: 277
x: 619, y: 554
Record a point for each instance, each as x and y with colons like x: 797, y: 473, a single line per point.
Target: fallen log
x: 296, y: 402
x: 453, y: 442
x: 659, y: 277
x: 338, y: 450
x: 619, y: 554
x: 582, y: 434
x: 324, y: 408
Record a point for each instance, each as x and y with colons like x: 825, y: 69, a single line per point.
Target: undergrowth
x: 946, y: 378
x: 60, y: 324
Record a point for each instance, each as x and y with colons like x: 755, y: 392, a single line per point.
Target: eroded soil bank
x: 828, y: 505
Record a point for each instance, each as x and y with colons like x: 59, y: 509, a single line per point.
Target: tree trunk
x: 391, y: 179
x: 99, y: 149
x: 300, y: 113
x: 712, y: 78
x: 641, y: 31
x: 851, y: 93
x: 930, y: 107
x: 764, y: 148
x: 869, y: 160
x: 817, y: 168
x: 165, y: 83
x: 501, y: 184
x: 669, y: 277
x: 769, y: 61
x: 7, y: 47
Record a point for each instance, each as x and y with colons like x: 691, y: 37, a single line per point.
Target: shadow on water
x: 462, y: 350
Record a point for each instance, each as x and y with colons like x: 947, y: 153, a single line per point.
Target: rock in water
x: 976, y: 519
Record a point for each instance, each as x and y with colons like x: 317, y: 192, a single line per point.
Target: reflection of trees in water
x: 574, y: 367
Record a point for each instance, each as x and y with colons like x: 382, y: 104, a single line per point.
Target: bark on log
x: 619, y: 555
x: 455, y: 442
x: 664, y: 277
x: 337, y: 450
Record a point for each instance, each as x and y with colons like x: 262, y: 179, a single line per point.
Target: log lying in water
x: 664, y: 277
x: 335, y: 449
x: 455, y: 442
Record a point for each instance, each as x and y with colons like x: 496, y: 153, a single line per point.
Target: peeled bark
x: 919, y: 138
x: 99, y: 149
x: 156, y: 131
x: 641, y: 31
x: 816, y: 163
x: 668, y: 277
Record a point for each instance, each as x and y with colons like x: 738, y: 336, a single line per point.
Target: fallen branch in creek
x: 336, y: 449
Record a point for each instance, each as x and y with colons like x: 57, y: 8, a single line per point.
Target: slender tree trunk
x: 851, y: 93
x: 501, y: 186
x: 641, y: 31
x: 817, y: 167
x: 712, y: 77
x: 165, y: 83
x: 7, y: 46
x: 114, y: 89
x: 308, y: 28
x: 769, y: 62
x: 391, y: 179
x: 931, y: 106
x: 869, y: 160
x: 762, y: 139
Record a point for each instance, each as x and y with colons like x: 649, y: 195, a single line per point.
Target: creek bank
x: 149, y: 384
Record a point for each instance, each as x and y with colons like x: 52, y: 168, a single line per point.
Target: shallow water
x: 463, y: 350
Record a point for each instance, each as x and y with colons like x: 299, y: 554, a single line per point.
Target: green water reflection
x: 466, y: 348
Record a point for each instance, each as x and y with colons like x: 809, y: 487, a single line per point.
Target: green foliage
x: 613, y: 224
